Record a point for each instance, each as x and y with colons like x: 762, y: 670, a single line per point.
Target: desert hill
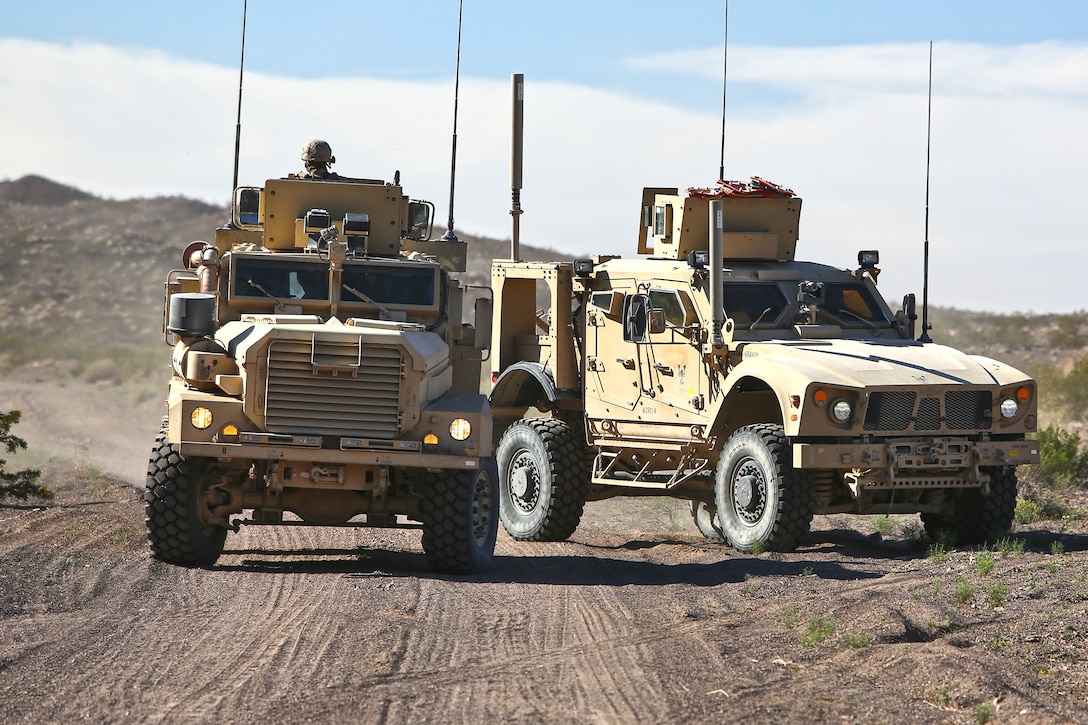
x: 81, y: 284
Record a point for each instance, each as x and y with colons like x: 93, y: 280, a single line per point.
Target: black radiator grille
x: 890, y: 410
x: 901, y: 410
x: 968, y: 409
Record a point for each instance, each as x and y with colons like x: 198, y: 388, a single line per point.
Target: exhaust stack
x: 717, y: 255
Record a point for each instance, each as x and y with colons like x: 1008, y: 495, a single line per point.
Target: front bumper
x: 241, y: 451
x: 916, y: 462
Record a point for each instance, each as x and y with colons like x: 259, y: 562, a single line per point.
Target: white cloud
x: 1007, y: 149
x: 1036, y: 69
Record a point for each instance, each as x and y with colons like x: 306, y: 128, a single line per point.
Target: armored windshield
x: 768, y: 304
x: 854, y: 300
x: 393, y: 284
x: 267, y: 276
x: 747, y: 302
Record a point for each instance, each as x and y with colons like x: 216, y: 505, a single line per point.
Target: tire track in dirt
x: 280, y: 626
x: 578, y: 645
x: 304, y: 624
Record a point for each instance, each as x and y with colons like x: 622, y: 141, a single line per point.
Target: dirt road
x: 636, y: 619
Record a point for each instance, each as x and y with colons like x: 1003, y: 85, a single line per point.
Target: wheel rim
x: 749, y: 491
x: 481, y: 508
x: 524, y: 481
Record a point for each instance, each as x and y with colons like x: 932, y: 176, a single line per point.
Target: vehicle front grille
x: 334, y: 386
x: 929, y: 414
x: 900, y: 410
x: 968, y: 409
x: 890, y: 410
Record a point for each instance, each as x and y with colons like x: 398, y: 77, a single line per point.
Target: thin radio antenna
x: 725, y: 78
x: 925, y: 263
x: 450, y: 235
x: 238, y: 123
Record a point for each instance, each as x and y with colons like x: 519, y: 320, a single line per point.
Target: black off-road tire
x: 461, y: 519
x: 543, y: 478
x: 706, y: 520
x: 763, y: 502
x: 972, y: 518
x: 176, y: 529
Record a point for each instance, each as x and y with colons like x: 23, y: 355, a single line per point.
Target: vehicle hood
x: 863, y: 363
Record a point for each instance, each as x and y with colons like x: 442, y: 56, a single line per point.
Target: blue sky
x: 828, y: 98
x: 583, y: 41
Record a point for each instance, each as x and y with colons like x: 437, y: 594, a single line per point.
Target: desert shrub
x: 1027, y: 511
x: 17, y: 484
x: 1073, y: 390
x: 1049, y: 384
x: 1062, y: 458
x: 965, y: 590
x: 118, y: 363
x: 1042, y: 502
x: 1067, y: 333
x: 1010, y: 546
x: 102, y: 371
x: 984, y: 562
x: 818, y: 629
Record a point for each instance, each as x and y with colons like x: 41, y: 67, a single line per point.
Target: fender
x: 523, y: 384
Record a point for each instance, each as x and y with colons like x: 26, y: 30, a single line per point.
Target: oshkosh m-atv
x: 322, y: 375
x: 716, y: 368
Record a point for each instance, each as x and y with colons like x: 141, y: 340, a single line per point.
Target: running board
x: 658, y: 469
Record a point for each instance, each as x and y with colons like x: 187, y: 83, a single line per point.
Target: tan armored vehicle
x: 322, y: 375
x: 716, y: 368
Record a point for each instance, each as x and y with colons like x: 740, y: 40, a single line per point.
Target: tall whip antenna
x: 925, y: 263
x: 725, y: 77
x: 238, y: 124
x: 450, y: 236
x: 517, y: 142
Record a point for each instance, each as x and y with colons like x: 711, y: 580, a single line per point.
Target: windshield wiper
x: 856, y: 316
x: 759, y: 319
x: 262, y: 290
x: 370, y: 300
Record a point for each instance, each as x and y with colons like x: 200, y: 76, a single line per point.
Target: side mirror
x: 483, y: 310
x: 906, y: 317
x: 420, y: 216
x: 247, y: 207
x: 657, y: 320
x: 635, y: 316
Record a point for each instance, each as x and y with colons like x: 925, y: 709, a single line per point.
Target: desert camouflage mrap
x: 717, y: 368
x: 322, y: 375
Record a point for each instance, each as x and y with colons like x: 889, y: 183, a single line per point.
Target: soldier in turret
x: 316, y: 157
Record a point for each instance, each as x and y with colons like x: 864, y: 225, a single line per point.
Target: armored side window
x: 610, y: 302
x: 748, y: 302
x: 669, y: 302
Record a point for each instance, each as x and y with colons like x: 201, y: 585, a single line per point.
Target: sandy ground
x: 636, y: 619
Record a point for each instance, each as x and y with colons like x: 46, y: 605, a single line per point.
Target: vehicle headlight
x: 460, y: 429
x: 841, y: 410
x: 201, y: 417
x: 1009, y: 408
